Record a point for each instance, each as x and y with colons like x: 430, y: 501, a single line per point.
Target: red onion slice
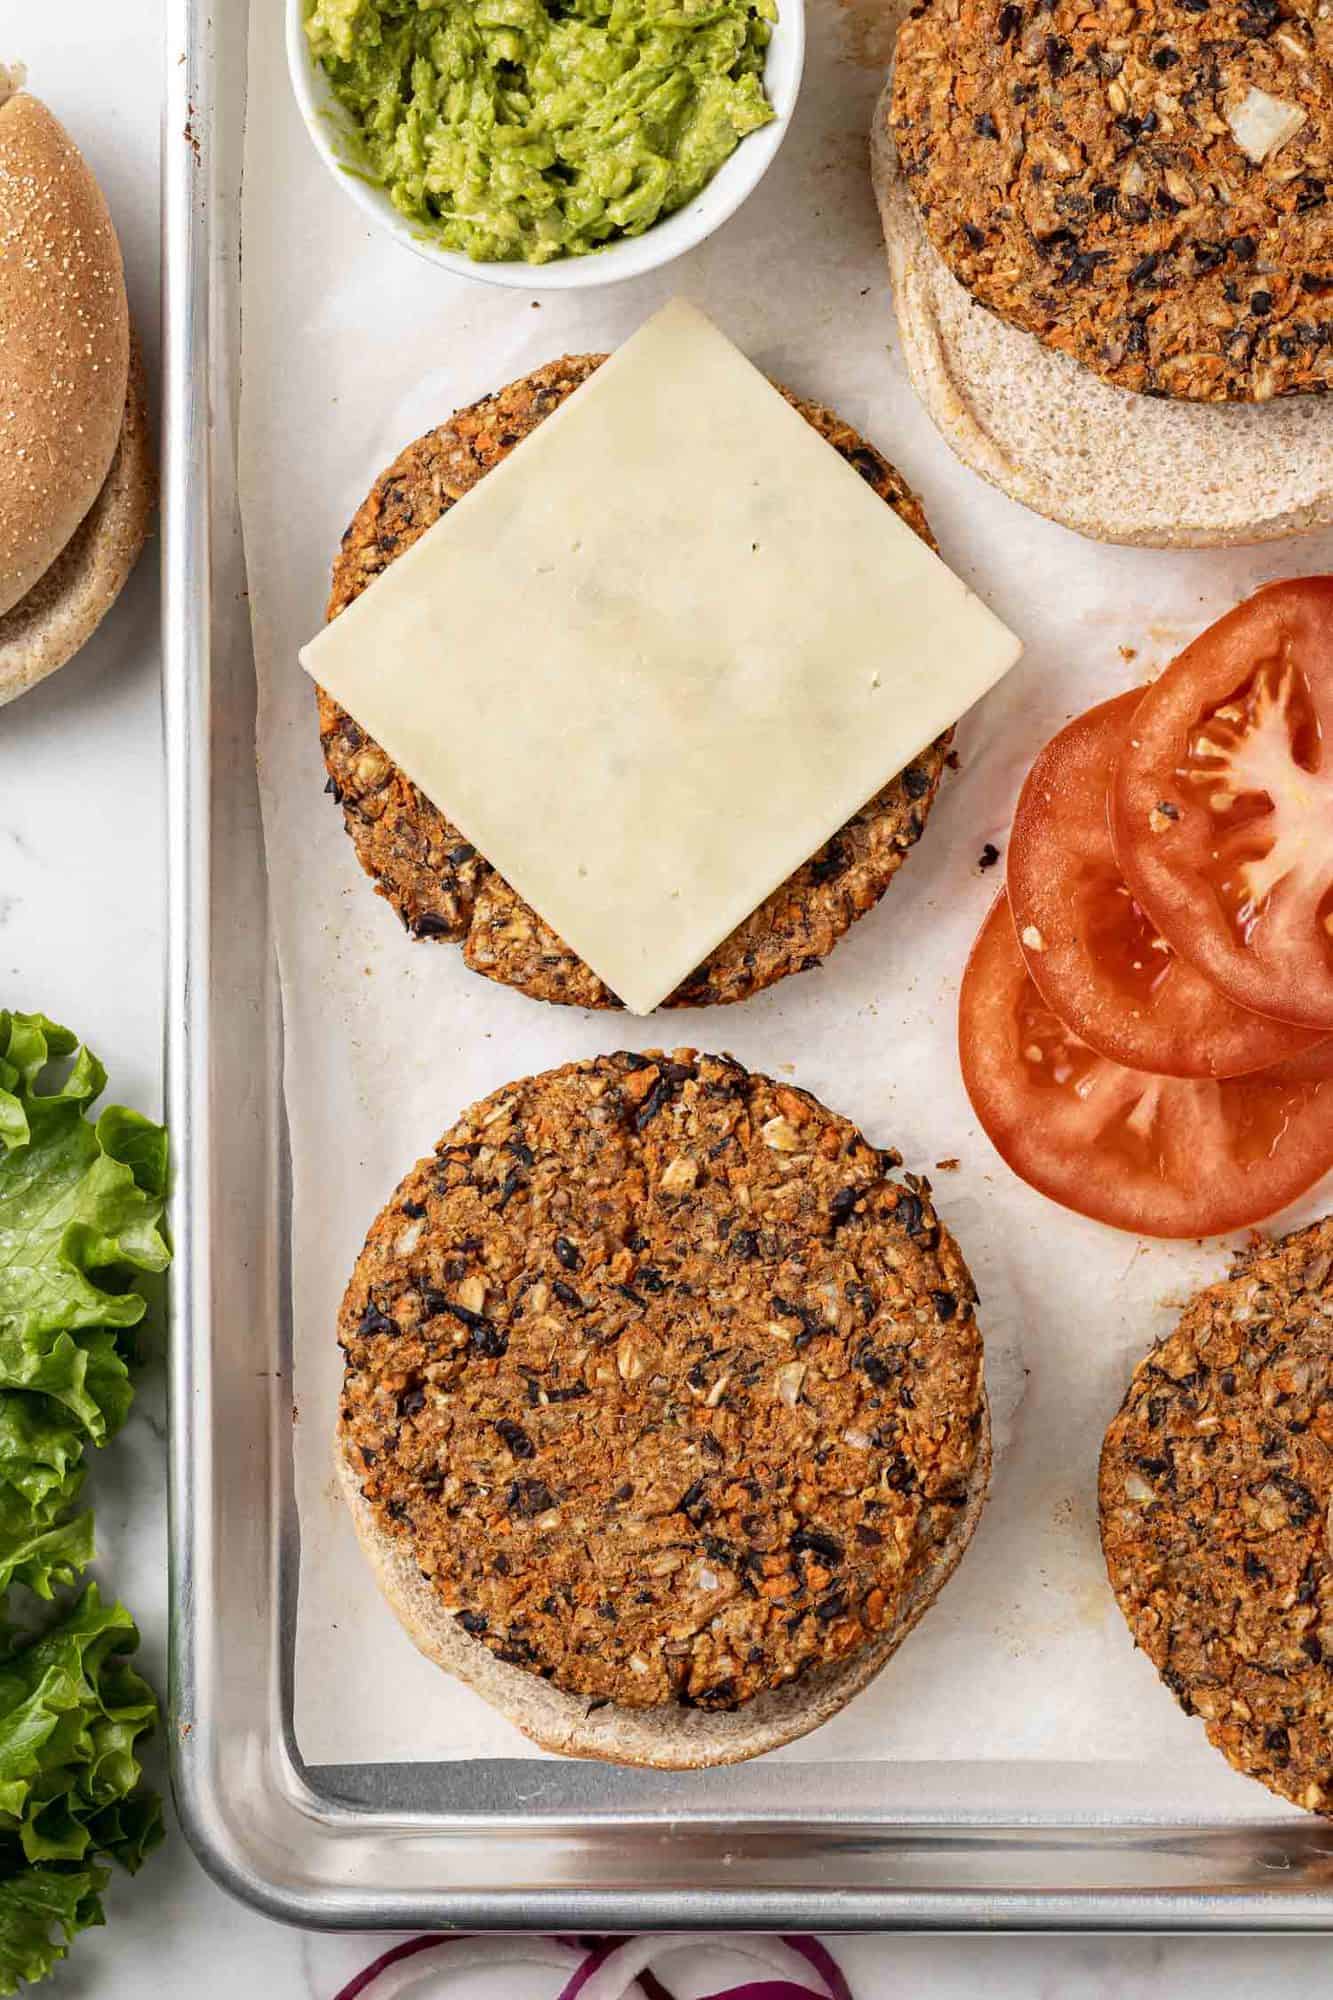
x: 606, y: 1968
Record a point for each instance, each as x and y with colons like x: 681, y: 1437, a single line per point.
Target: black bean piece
x: 373, y: 1320
x: 414, y: 1209
x: 976, y: 237
x: 427, y: 925
x: 721, y: 1695
x: 1259, y: 18
x: 1165, y: 58
x: 916, y: 782
x: 1009, y: 23
x: 1301, y: 1503
x: 651, y: 1280
x: 529, y: 1497
x: 1261, y: 303
x: 473, y: 1622
x: 900, y: 1476
x: 659, y: 1095
x: 831, y: 1607
x: 1083, y: 265
x: 1144, y: 269
x: 833, y: 862
x: 946, y: 1305
x: 411, y: 1402
x: 1243, y: 247
x: 875, y: 1367
x: 870, y: 465
x: 910, y: 1212
x: 488, y: 1341
x: 567, y: 1295
x: 813, y: 1542
x: 516, y: 1438
x: 788, y: 1309
x: 464, y: 851
x: 843, y: 1205
x: 1058, y: 53
x: 475, y: 1322
x: 509, y: 1187
x: 985, y: 126
x: 567, y: 1253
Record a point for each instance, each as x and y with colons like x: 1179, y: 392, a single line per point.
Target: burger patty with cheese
x: 76, y: 473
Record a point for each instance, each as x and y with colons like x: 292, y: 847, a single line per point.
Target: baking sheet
x: 351, y: 347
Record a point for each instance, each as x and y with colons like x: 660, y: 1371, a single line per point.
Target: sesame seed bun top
x: 64, y: 342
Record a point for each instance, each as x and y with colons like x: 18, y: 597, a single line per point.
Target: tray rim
x: 254, y: 1817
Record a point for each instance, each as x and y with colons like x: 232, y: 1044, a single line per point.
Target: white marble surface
x: 81, y: 937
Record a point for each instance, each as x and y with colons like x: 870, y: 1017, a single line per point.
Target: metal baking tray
x: 492, y: 1844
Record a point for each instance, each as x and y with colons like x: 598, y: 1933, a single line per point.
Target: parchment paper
x: 352, y: 347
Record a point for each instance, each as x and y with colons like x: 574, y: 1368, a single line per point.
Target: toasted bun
x: 1108, y: 463
x: 62, y: 610
x: 64, y: 342
x: 668, y: 1738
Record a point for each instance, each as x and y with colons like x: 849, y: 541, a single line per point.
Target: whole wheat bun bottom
x: 669, y: 1738
x: 1100, y: 460
x: 67, y: 604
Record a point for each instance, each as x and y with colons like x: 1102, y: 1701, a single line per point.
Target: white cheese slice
x: 660, y: 654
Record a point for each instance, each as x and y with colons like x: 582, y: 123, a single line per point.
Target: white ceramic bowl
x: 331, y: 128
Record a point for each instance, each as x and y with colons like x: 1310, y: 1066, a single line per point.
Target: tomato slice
x: 1163, y: 1156
x: 1098, y: 961
x: 1222, y: 803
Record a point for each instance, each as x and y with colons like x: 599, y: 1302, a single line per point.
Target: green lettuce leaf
x: 81, y: 1202
x: 45, y: 1557
x: 34, y: 1904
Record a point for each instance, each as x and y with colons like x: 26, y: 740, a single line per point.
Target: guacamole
x: 537, y: 129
